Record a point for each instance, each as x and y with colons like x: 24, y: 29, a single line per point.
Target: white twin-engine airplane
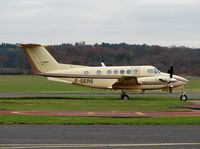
x: 129, y: 79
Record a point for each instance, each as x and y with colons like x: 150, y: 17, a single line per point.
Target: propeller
x: 172, y: 80
x: 171, y: 71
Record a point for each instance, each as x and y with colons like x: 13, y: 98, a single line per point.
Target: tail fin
x: 40, y: 59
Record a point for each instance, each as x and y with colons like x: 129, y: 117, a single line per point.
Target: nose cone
x: 181, y: 80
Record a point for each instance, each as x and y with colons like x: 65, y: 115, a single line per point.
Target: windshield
x: 156, y: 71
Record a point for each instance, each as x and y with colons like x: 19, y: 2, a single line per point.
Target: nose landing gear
x: 183, y: 97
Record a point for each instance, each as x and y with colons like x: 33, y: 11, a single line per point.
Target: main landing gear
x: 124, y: 96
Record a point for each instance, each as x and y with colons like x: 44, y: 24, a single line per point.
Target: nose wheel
x: 124, y: 96
x: 183, y: 97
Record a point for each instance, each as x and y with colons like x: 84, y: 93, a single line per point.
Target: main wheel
x: 183, y: 97
x: 125, y: 97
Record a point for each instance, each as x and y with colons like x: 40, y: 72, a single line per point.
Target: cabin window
x: 98, y: 72
x: 150, y: 71
x: 86, y: 72
x: 122, y: 71
x: 109, y: 72
x: 135, y: 71
x: 128, y: 71
x: 115, y: 71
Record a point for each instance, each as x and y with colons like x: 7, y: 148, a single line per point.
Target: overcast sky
x: 153, y: 22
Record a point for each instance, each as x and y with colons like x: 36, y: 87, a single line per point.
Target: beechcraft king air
x: 128, y: 79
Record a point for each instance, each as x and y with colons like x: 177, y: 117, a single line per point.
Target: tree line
x: 186, y: 61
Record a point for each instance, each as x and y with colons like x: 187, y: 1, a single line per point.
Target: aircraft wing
x: 126, y: 81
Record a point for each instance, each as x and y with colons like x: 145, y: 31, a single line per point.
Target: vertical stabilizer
x: 40, y: 59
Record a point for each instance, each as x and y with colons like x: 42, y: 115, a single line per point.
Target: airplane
x: 128, y: 79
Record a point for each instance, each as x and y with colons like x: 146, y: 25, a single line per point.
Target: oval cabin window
x: 109, y: 72
x: 115, y: 71
x: 86, y: 72
x: 98, y: 72
x: 128, y: 71
x: 122, y: 71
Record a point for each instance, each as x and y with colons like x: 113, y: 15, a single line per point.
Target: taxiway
x: 100, y: 136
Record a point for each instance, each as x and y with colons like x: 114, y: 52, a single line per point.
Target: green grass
x: 193, y: 86
x: 22, y: 119
x: 95, y: 104
x: 38, y: 84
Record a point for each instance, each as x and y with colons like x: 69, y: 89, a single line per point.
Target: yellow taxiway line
x: 21, y: 146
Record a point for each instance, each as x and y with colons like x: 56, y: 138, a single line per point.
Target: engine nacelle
x: 156, y: 80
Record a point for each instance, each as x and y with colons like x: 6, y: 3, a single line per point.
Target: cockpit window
x: 156, y: 71
x: 150, y: 71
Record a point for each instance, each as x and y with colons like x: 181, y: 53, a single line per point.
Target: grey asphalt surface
x: 78, y: 95
x: 61, y: 136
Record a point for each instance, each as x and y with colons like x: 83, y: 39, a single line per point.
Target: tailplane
x: 40, y: 59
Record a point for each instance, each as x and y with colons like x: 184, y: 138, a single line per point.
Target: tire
x: 125, y: 97
x: 183, y: 98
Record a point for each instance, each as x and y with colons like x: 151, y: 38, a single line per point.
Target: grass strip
x: 142, y: 104
x: 24, y: 119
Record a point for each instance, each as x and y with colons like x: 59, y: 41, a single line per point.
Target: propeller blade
x: 170, y: 89
x: 170, y: 86
x: 171, y: 71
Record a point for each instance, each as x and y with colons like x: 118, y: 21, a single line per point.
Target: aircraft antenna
x: 102, y: 59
